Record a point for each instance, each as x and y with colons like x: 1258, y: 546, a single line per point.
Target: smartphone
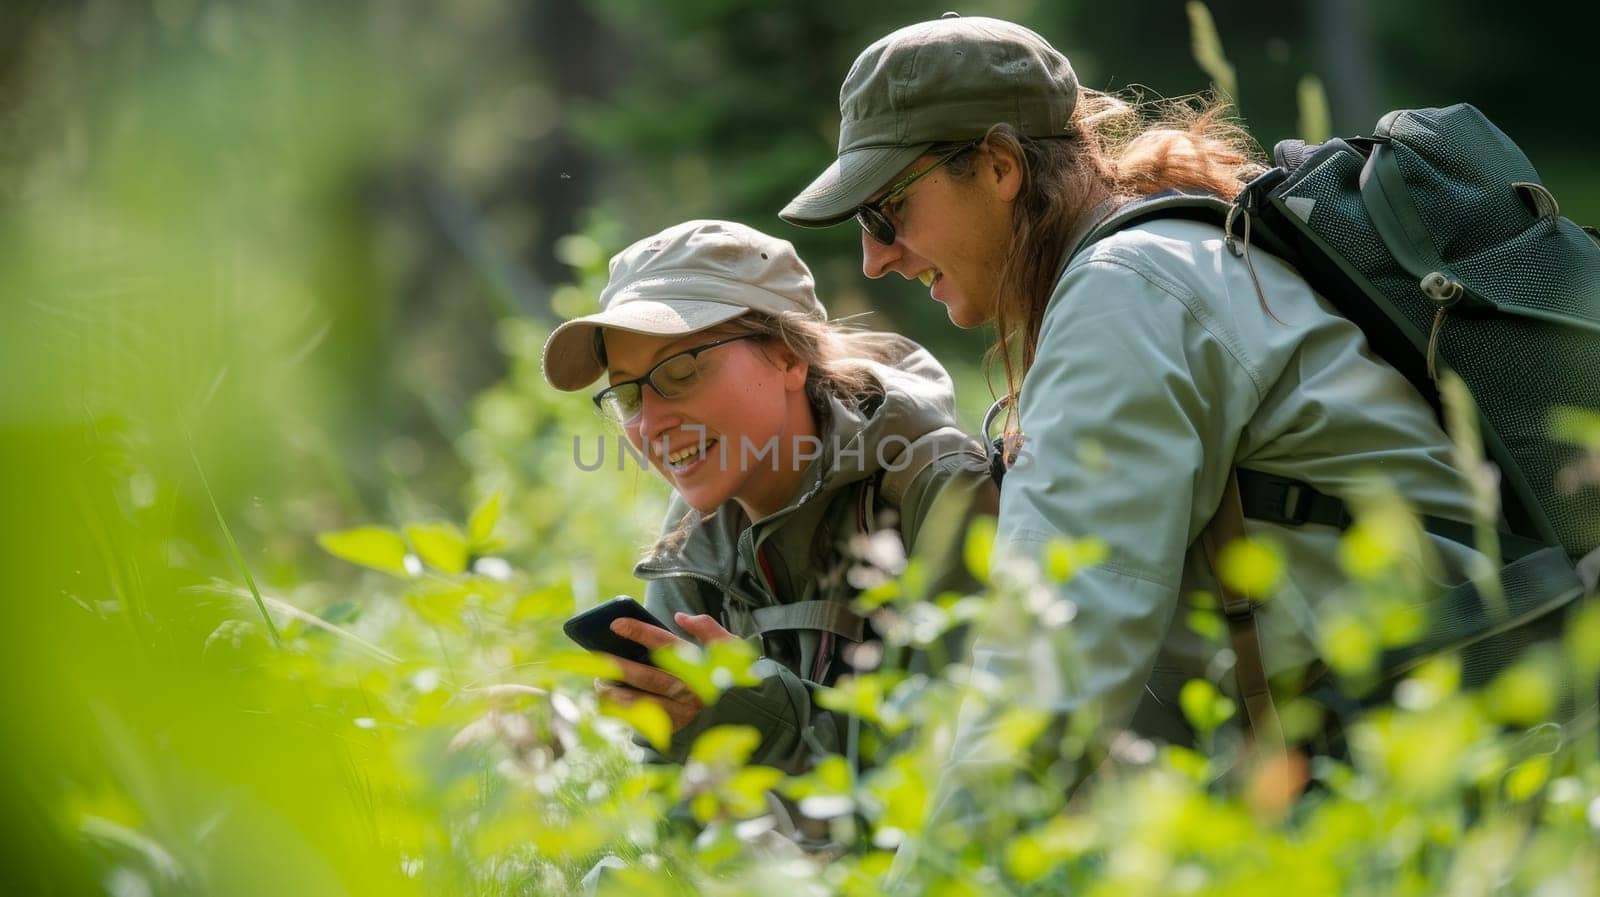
x: 592, y: 628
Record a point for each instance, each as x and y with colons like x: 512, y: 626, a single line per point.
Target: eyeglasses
x: 672, y: 377
x: 870, y: 215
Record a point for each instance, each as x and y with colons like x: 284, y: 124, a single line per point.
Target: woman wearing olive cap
x: 1143, y: 369
x: 786, y: 439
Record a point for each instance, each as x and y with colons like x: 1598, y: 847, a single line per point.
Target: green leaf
x: 480, y: 526
x: 584, y: 663
x: 978, y: 547
x: 1582, y: 640
x: 440, y: 545
x: 369, y: 546
x: 1014, y: 732
x: 1252, y: 567
x: 553, y: 603
x: 1523, y: 695
x: 1205, y: 708
x: 745, y: 794
x: 1064, y: 558
x: 1207, y: 624
x: 340, y: 612
x: 1349, y: 646
x: 902, y: 791
x: 1579, y: 426
x: 646, y: 717
x: 711, y: 670
x: 725, y: 747
x: 863, y: 696
x: 1314, y: 117
x: 1526, y: 778
x: 1207, y: 47
x: 440, y: 606
x: 1033, y: 855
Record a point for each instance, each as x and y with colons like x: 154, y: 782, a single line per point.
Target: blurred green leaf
x: 1206, y: 45
x: 1064, y: 558
x: 1203, y: 706
x: 1349, y: 646
x: 369, y: 546
x: 551, y: 603
x: 725, y: 747
x: 480, y: 526
x: 1578, y: 426
x: 978, y: 547
x: 1252, y: 567
x: 440, y: 545
x: 440, y: 605
x: 1582, y: 640
x: 1315, y: 126
x: 645, y: 717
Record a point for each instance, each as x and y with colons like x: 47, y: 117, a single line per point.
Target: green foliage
x: 1207, y: 49
x: 295, y: 522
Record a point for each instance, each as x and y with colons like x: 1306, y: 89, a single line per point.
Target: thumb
x: 703, y: 627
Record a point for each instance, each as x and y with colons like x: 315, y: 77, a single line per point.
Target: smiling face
x: 748, y: 393
x: 952, y: 232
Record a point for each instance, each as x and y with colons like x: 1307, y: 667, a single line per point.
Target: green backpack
x: 1436, y: 236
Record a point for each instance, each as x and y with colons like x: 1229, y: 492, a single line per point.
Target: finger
x: 651, y: 637
x: 616, y: 694
x: 652, y: 679
x: 703, y: 627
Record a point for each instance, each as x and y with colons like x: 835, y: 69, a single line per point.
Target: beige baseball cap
x: 950, y: 79
x: 686, y: 278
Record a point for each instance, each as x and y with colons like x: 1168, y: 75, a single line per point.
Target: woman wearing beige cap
x: 787, y: 440
x: 1142, y: 367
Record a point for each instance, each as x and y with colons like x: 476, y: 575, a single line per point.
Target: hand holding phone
x: 592, y: 629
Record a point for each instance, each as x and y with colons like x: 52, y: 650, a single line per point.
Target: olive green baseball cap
x: 946, y: 80
x: 686, y: 278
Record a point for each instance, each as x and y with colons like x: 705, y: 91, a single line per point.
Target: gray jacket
x: 782, y: 579
x: 1157, y: 371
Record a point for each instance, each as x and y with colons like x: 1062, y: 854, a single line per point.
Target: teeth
x: 926, y: 277
x: 681, y: 456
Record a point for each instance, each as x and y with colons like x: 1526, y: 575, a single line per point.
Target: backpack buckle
x: 1276, y: 499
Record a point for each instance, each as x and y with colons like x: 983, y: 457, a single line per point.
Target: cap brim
x: 847, y: 183
x: 570, y: 361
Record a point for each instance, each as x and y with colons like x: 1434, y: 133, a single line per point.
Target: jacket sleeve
x: 1130, y: 415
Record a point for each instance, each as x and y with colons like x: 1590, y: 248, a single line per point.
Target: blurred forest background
x: 270, y: 269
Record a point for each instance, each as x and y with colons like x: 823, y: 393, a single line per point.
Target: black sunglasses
x: 671, y: 377
x: 875, y: 221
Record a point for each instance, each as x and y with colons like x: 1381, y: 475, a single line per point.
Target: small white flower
x: 426, y: 681
x: 826, y: 806
x: 497, y: 569
x: 888, y: 838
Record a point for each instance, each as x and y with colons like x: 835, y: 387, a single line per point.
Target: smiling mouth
x: 687, y: 457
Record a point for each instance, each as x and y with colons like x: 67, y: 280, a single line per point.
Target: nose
x: 656, y: 416
x: 876, y: 258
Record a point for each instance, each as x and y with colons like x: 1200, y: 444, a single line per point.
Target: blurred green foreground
x: 290, y: 522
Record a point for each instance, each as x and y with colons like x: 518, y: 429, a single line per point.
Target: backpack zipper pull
x: 1445, y: 293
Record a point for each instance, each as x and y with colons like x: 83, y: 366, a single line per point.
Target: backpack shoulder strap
x: 1166, y: 204
x: 1250, y: 670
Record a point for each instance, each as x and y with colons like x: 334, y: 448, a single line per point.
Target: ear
x: 795, y: 369
x: 790, y: 366
x: 1001, y: 171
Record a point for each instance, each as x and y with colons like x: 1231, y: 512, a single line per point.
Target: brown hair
x: 1115, y: 149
